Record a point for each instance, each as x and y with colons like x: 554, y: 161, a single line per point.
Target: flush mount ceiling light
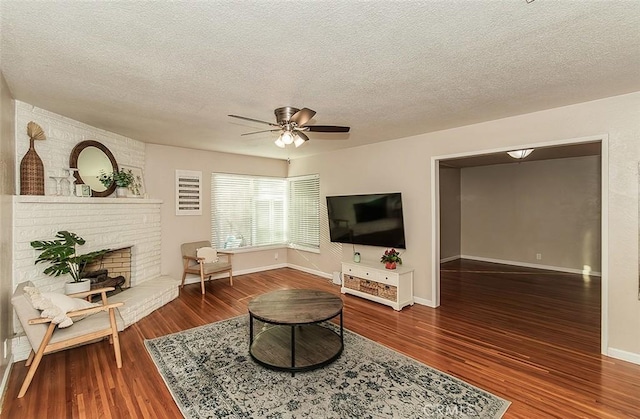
x: 520, y: 154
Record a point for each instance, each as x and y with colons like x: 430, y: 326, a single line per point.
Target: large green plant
x: 61, y: 254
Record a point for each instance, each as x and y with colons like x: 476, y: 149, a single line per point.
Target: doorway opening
x: 516, y: 238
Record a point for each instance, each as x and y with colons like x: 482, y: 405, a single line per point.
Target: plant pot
x: 121, y: 192
x: 390, y: 265
x: 73, y: 287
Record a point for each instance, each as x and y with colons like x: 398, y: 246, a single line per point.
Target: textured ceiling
x: 170, y: 72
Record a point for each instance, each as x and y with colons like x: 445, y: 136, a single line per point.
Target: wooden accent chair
x: 45, y: 337
x: 202, y: 266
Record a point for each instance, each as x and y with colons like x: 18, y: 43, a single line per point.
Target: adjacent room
x: 319, y: 209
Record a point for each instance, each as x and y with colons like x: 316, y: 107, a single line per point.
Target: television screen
x: 372, y: 220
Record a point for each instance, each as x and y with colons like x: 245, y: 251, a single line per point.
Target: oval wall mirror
x: 91, y: 158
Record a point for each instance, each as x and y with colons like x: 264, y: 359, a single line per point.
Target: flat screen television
x: 372, y: 220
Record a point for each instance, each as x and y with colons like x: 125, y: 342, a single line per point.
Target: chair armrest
x: 76, y: 313
x: 91, y: 310
x: 191, y: 258
x: 92, y: 292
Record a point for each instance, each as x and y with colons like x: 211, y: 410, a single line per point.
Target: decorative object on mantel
x: 31, y: 167
x: 123, y: 179
x: 71, y: 178
x: 136, y: 189
x: 83, y: 190
x: 391, y: 258
x: 58, y: 180
x: 61, y: 255
x: 90, y: 158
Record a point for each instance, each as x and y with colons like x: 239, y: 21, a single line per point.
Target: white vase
x: 73, y: 287
x: 121, y: 192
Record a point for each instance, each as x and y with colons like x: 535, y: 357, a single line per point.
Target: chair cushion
x: 219, y: 266
x: 55, y: 306
x: 94, y: 323
x: 208, y: 253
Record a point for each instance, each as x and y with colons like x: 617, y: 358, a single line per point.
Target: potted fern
x: 63, y: 259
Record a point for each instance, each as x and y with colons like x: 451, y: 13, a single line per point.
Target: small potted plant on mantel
x: 123, y: 178
x: 61, y: 254
x: 391, y: 258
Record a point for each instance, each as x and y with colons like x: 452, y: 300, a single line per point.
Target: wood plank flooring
x: 529, y: 336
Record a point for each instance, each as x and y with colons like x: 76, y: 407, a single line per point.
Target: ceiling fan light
x: 279, y: 142
x: 286, y: 138
x: 520, y: 154
x: 298, y: 141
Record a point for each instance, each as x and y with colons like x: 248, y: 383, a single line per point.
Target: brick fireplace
x: 128, y: 226
x: 105, y: 223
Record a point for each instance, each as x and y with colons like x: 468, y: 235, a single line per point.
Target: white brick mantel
x: 103, y: 222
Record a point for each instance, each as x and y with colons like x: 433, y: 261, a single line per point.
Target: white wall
x: 408, y: 169
x: 512, y: 212
x: 7, y: 189
x: 450, y: 213
x: 62, y: 135
x: 161, y: 164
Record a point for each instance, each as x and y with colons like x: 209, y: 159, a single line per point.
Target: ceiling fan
x: 291, y: 122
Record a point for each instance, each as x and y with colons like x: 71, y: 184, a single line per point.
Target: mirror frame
x: 73, y: 163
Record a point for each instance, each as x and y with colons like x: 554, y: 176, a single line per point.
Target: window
x: 252, y: 211
x: 304, y: 212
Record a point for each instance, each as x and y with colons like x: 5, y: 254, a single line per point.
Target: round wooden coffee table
x: 292, y: 338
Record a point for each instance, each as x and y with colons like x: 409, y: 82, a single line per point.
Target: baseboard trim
x: 530, y: 265
x: 194, y: 279
x: 450, y: 258
x: 310, y: 271
x: 424, y: 302
x: 624, y: 355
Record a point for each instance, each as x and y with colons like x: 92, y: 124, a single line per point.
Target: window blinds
x: 249, y: 211
x: 304, y: 212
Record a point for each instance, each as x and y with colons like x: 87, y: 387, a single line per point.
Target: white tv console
x: 393, y: 287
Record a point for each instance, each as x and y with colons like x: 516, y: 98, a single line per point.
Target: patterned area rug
x: 210, y: 374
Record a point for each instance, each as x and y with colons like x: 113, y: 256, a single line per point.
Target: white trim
x: 195, y: 279
x: 435, y: 232
x: 5, y: 381
x: 450, y: 258
x: 310, y: 271
x: 531, y: 265
x: 624, y: 355
x: 424, y: 302
x: 249, y: 249
x: 604, y: 213
x: 604, y: 247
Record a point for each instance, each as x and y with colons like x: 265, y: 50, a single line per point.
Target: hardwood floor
x: 529, y: 336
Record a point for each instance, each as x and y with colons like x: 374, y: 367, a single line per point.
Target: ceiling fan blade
x: 302, y: 116
x: 254, y: 120
x: 302, y: 135
x: 259, y: 132
x: 326, y: 128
